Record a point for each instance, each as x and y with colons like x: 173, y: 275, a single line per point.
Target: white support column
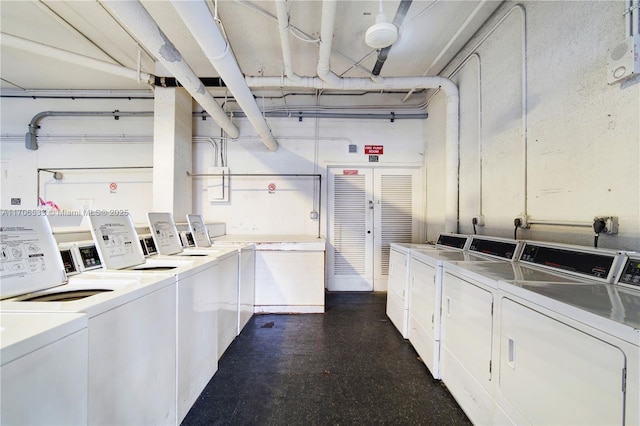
x: 172, y: 131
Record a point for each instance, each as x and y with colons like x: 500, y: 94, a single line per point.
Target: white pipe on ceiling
x: 326, y: 41
x: 283, y: 26
x: 74, y: 58
x: 328, y: 80
x: 137, y: 20
x: 452, y: 40
x: 197, y: 17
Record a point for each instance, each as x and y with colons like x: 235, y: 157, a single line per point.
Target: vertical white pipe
x: 628, y: 19
x: 326, y: 41
x: 635, y: 17
x: 137, y: 20
x: 283, y: 26
x: 452, y: 158
x: 201, y: 24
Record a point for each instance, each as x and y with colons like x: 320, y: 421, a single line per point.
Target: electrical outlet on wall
x: 524, y: 221
x: 612, y: 225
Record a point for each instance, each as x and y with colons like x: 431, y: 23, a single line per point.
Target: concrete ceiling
x: 85, y: 27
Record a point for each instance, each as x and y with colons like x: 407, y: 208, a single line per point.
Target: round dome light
x: 381, y: 34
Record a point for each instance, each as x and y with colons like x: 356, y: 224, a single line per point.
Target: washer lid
x: 29, y: 256
x: 165, y: 233
x: 117, y: 241
x: 198, y: 230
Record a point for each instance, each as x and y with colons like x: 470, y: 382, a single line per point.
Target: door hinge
x: 489, y: 366
x: 491, y: 308
x: 624, y: 380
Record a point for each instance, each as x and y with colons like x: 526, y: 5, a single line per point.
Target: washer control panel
x: 631, y: 272
x: 89, y: 258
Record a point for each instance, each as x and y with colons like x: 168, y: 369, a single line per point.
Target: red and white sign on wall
x: 374, y: 149
x: 349, y: 172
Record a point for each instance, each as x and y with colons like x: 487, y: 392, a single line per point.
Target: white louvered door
x: 368, y: 209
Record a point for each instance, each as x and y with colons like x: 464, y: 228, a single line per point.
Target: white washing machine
x: 226, y: 280
x: 471, y: 323
x: 398, y: 292
x: 131, y: 328
x: 44, y: 369
x: 246, y: 267
x: 571, y: 344
x: 425, y: 290
x: 198, y: 317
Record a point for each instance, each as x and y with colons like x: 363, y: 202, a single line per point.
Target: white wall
x: 253, y: 209
x: 72, y: 142
x: 78, y: 142
x: 569, y: 153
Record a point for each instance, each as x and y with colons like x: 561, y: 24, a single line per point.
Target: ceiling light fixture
x: 381, y: 34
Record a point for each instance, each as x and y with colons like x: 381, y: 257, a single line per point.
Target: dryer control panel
x: 601, y: 266
x: 502, y: 249
x: 452, y: 240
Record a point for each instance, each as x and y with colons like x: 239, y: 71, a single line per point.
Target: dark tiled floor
x: 347, y: 366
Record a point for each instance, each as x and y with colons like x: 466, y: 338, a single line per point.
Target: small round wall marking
x: 271, y: 188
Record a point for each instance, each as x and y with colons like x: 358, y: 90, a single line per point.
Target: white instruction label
x: 21, y: 252
x: 117, y: 239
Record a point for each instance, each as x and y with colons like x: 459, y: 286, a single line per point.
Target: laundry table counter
x: 289, y: 272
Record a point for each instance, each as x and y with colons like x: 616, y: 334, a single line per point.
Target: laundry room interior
x: 279, y: 124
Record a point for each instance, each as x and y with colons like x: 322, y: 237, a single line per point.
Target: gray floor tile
x: 348, y: 366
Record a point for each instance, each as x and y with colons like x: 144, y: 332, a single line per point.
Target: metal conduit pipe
x: 31, y: 137
x: 138, y: 21
x: 204, y: 28
x: 355, y: 116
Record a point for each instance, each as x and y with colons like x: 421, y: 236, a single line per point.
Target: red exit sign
x: 374, y: 149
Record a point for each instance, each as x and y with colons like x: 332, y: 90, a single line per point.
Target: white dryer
x: 131, y: 327
x: 426, y: 271
x: 398, y: 292
x: 472, y: 321
x: 571, y: 344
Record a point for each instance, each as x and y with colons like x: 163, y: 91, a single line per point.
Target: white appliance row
x: 155, y: 333
x: 552, y: 338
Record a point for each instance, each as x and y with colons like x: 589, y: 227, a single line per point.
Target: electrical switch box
x: 623, y: 60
